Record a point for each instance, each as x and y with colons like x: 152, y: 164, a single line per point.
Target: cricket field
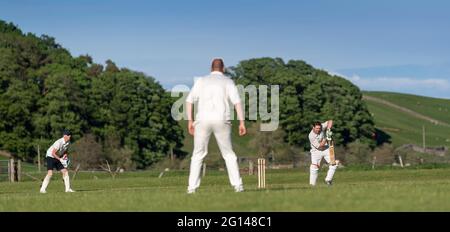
x: 354, y: 190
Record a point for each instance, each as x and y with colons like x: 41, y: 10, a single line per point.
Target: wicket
x: 261, y: 173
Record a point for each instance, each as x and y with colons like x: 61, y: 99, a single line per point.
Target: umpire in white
x: 212, y: 95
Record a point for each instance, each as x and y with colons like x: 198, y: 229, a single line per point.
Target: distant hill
x: 402, y: 117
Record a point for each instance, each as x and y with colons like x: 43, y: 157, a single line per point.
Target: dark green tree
x: 307, y: 95
x: 43, y: 90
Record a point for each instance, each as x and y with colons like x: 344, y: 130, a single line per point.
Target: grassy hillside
x: 432, y: 107
x: 406, y: 128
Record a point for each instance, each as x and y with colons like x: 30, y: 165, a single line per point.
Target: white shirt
x: 315, y: 139
x: 213, y: 94
x: 60, y: 145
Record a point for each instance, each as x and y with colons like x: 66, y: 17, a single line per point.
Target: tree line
x: 44, y: 89
x: 123, y: 116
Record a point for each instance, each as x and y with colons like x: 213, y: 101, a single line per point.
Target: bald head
x: 217, y: 65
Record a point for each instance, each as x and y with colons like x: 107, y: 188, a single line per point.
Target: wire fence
x: 4, y: 170
x: 248, y: 165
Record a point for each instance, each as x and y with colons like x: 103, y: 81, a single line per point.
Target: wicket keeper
x: 57, y: 159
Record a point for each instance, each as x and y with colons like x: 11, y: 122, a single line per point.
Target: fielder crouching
x: 319, y: 150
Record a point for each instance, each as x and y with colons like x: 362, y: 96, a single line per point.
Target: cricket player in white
x: 212, y: 95
x: 319, y: 150
x: 57, y: 158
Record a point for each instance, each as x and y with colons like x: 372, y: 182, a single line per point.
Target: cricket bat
x: 332, y: 158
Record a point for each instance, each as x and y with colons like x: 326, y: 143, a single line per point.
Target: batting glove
x: 329, y: 134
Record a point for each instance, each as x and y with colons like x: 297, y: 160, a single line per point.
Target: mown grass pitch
x: 287, y: 190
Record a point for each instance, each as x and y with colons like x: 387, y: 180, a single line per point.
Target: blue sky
x: 400, y: 45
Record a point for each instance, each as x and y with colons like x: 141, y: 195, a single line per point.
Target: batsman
x: 322, y: 147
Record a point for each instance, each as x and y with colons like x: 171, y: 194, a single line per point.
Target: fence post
x: 19, y: 170
x: 204, y: 168
x: 373, y: 162
x: 401, y: 161
x: 39, y: 158
x: 11, y: 170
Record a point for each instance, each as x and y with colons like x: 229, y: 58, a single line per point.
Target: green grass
x: 407, y: 129
x: 287, y: 190
x: 432, y: 107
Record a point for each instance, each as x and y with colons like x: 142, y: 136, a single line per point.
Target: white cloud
x: 433, y: 87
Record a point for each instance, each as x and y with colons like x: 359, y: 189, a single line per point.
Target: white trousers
x: 316, y: 157
x: 222, y: 133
